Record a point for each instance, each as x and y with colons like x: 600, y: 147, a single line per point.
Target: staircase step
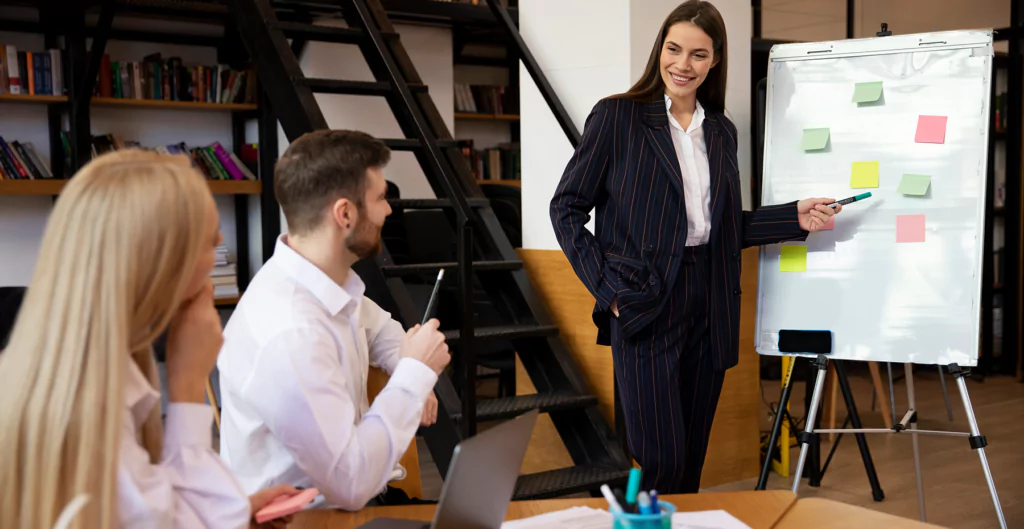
x: 299, y: 30
x: 359, y: 88
x: 425, y: 268
x: 433, y: 203
x: 510, y: 407
x: 506, y: 332
x: 412, y: 145
x: 571, y: 480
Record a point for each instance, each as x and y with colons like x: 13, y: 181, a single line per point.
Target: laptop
x: 481, y: 479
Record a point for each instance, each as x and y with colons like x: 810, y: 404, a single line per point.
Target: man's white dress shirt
x: 191, y: 487
x: 293, y: 374
x: 693, y: 162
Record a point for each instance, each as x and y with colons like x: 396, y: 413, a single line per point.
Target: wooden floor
x: 955, y: 491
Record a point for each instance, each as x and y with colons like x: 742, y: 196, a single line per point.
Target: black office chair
x: 10, y: 302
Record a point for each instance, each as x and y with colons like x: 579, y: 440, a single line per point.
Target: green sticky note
x: 794, y: 259
x: 864, y: 175
x: 914, y: 184
x: 814, y: 139
x: 867, y: 92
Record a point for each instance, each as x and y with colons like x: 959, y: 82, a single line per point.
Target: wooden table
x: 759, y: 510
x: 827, y: 514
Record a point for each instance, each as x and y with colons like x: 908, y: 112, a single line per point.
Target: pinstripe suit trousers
x: 668, y: 384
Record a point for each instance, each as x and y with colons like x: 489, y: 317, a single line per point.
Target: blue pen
x: 644, y: 502
x: 655, y: 508
x: 633, y: 487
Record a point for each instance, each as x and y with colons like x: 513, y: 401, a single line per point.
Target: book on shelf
x: 25, y: 72
x: 156, y: 78
x: 502, y: 162
x: 480, y: 99
x: 213, y: 160
x: 21, y: 161
x: 224, y: 274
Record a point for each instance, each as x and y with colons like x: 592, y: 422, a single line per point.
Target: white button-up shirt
x: 293, y: 373
x: 693, y: 162
x: 191, y: 487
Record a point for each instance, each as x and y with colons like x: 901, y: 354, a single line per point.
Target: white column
x: 589, y: 49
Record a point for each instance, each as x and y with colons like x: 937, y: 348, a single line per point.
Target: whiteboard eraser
x: 813, y: 342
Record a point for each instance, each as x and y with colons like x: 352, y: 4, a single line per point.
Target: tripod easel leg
x: 909, y: 370
x: 978, y: 441
x: 821, y: 363
x: 862, y: 442
x: 787, y: 385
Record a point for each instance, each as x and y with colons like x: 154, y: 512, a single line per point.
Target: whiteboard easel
x: 893, y: 301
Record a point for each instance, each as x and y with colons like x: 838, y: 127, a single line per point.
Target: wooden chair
x: 412, y: 485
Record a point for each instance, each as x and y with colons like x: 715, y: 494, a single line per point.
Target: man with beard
x: 293, y: 368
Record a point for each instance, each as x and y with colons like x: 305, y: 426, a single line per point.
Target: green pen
x: 846, y: 201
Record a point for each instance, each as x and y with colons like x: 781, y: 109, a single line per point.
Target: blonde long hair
x: 119, y: 250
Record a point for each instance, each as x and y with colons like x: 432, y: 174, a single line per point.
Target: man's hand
x: 429, y: 411
x: 426, y: 344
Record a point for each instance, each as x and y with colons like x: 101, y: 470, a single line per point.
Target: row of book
x: 224, y: 274
x: 171, y: 80
x: 481, y: 99
x: 213, y: 160
x: 31, y: 73
x: 21, y: 161
x: 503, y: 162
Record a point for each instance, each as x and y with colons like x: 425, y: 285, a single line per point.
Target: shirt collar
x: 139, y: 395
x: 695, y: 123
x: 333, y: 296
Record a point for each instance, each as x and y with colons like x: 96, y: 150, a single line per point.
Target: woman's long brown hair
x: 711, y: 93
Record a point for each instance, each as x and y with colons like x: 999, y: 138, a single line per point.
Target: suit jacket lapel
x: 713, y: 139
x: 660, y: 136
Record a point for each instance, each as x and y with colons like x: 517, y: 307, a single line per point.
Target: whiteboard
x: 883, y: 300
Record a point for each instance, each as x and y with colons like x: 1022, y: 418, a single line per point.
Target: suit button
x: 654, y: 281
x: 737, y: 292
x: 648, y: 247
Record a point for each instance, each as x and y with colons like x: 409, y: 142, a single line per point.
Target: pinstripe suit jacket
x: 626, y: 169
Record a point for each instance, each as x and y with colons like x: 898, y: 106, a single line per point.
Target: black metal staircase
x: 490, y: 274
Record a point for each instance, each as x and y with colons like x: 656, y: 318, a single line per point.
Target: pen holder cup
x: 662, y: 520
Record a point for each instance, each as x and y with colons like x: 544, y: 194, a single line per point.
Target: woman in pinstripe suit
x: 658, y: 165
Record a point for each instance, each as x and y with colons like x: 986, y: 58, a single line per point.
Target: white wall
x: 583, y: 62
x: 587, y: 61
x: 429, y: 48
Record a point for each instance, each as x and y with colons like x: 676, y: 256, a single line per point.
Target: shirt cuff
x: 414, y: 376
x: 187, y: 424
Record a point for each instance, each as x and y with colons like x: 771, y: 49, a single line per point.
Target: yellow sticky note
x: 794, y: 259
x: 864, y: 175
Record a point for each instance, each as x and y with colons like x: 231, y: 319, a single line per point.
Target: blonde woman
x: 126, y: 256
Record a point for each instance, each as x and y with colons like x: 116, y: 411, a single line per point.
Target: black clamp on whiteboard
x: 885, y: 31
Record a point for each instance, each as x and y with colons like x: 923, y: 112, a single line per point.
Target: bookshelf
x: 73, y: 126
x: 54, y: 186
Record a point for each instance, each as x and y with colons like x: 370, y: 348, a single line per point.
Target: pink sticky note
x: 909, y: 228
x: 931, y: 129
x: 831, y: 224
x: 285, y: 505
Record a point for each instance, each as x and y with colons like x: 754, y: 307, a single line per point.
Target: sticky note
x: 931, y: 129
x: 867, y: 92
x: 831, y: 224
x: 794, y: 259
x: 864, y: 175
x: 914, y: 184
x: 814, y: 139
x: 909, y: 228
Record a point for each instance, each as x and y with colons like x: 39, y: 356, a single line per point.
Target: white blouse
x: 190, y: 487
x: 693, y: 162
